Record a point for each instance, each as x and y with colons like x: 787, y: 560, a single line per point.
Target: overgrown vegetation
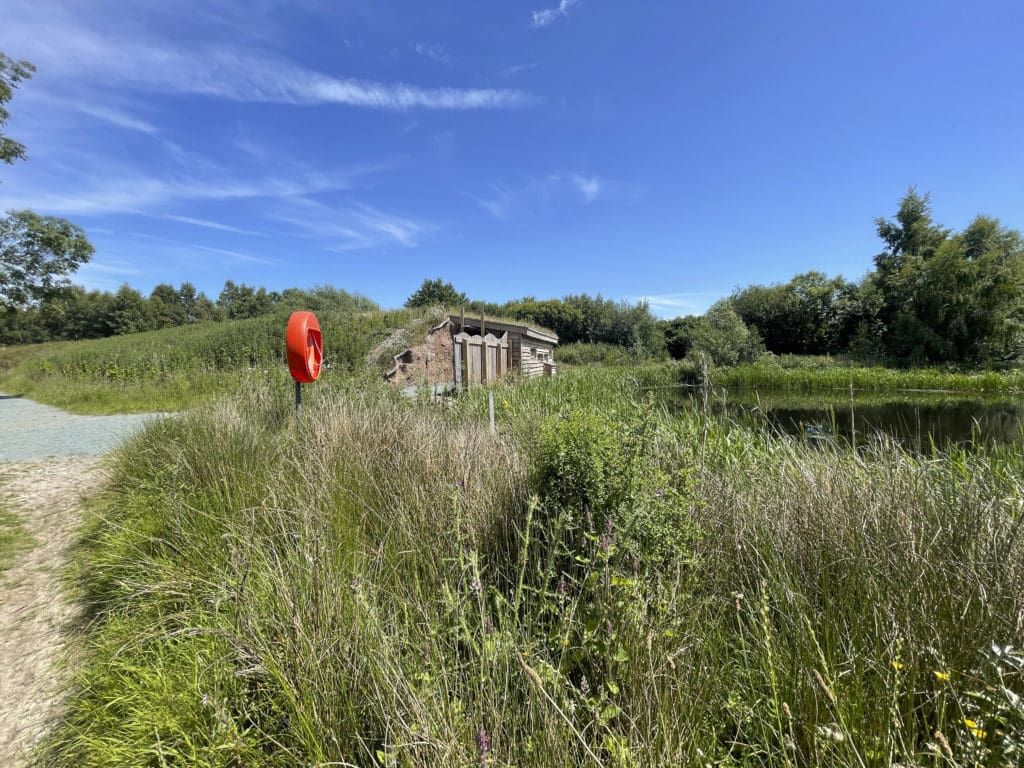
x: 178, y: 367
x: 600, y: 583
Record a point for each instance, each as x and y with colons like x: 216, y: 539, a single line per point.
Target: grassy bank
x: 811, y: 374
x: 600, y: 583
x: 177, y: 368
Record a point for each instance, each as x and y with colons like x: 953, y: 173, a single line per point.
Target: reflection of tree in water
x: 914, y: 425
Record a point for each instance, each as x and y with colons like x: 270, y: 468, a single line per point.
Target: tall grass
x: 599, y: 583
x: 176, y: 368
x: 789, y: 374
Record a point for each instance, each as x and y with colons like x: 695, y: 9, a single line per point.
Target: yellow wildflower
x: 897, y: 666
x: 975, y: 729
x: 942, y: 677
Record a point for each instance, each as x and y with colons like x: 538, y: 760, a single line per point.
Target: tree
x: 679, y: 334
x: 242, y: 301
x: 723, y: 336
x: 946, y: 297
x: 36, y: 254
x: 436, y: 293
x: 165, y: 308
x: 11, y: 74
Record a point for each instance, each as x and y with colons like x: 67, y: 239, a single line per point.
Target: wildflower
x: 483, y: 746
x: 505, y: 404
x: 563, y: 587
x: 942, y: 677
x: 831, y: 733
x: 975, y: 729
x: 476, y: 586
x: 660, y: 492
x: 898, y: 666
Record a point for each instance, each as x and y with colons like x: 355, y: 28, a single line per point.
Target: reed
x: 602, y: 582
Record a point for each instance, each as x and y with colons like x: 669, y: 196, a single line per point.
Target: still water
x: 916, y: 420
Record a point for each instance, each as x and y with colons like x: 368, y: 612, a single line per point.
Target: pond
x: 917, y: 420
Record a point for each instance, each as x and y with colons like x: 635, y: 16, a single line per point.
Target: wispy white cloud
x: 236, y: 255
x: 209, y: 224
x: 118, y: 118
x: 516, y: 69
x: 588, y: 186
x: 435, y: 52
x: 142, y: 194
x: 498, y: 201
x: 504, y: 200
x: 550, y: 15
x: 351, y: 226
x: 66, y: 47
x: 102, y: 274
x: 670, y: 305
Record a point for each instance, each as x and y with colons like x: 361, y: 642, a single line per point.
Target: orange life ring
x: 305, y: 347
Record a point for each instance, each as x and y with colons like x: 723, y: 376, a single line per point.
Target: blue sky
x: 665, y: 150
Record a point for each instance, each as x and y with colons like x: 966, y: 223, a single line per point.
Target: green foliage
x: 679, y: 334
x: 177, y: 367
x: 12, y: 73
x: 594, y: 354
x: 947, y: 297
x: 436, y: 293
x: 36, y: 255
x: 601, y: 468
x: 722, y: 337
x: 594, y: 320
x: 811, y: 314
x: 809, y: 374
x: 392, y: 585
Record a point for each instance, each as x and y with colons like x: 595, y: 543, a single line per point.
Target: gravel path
x: 48, y: 463
x: 29, y: 430
x: 34, y: 611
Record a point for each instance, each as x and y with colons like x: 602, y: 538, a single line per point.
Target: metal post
x: 298, y: 401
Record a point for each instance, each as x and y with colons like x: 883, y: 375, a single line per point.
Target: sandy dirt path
x: 34, y: 609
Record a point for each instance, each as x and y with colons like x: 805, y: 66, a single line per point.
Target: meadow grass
x: 601, y: 582
x: 177, y: 368
x: 820, y: 374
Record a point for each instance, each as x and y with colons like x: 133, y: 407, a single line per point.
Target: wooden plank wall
x: 480, y: 359
x: 533, y: 357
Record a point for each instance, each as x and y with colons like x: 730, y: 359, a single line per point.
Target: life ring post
x: 305, y: 353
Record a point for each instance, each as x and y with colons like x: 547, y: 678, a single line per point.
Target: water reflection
x: 916, y: 420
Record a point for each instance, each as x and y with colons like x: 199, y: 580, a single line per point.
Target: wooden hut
x: 484, y: 350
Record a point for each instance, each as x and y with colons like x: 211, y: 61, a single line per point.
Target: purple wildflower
x: 483, y: 746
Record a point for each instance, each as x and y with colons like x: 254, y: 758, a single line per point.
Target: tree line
x: 74, y: 313
x: 935, y: 297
